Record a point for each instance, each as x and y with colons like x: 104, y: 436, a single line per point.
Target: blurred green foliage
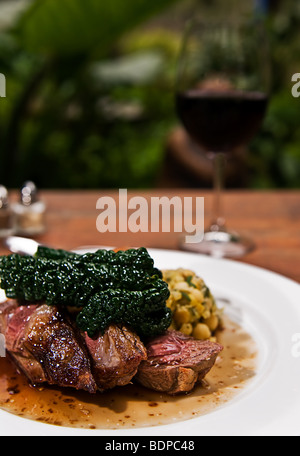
x: 90, y: 96
x: 68, y: 123
x: 275, y: 153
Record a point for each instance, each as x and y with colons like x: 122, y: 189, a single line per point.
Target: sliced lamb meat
x: 6, y: 309
x: 54, y: 343
x: 176, y: 362
x: 15, y: 336
x: 115, y: 356
x: 46, y: 348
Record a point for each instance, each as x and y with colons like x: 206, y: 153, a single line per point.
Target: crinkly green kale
x: 107, y: 286
x: 142, y: 310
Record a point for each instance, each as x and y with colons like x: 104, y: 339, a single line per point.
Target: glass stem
x: 218, y: 223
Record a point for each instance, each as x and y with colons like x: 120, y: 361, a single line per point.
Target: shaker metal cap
x: 3, y: 197
x: 29, y: 193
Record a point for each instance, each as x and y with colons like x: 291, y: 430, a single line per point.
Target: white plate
x: 268, y: 307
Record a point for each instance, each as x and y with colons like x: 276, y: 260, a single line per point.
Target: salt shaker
x: 6, y: 214
x: 29, y: 212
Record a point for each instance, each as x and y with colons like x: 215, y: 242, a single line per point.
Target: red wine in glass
x: 221, y: 121
x: 222, y: 91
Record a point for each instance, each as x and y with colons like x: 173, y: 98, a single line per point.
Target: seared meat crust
x: 45, y: 347
x: 53, y: 342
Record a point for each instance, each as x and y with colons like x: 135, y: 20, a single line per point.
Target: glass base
x: 221, y: 244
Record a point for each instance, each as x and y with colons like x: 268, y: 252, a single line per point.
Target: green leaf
x: 189, y: 281
x: 70, y: 27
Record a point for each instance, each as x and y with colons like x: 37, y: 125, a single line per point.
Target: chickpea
x: 187, y: 273
x: 206, y: 314
x: 209, y: 303
x: 181, y: 316
x: 186, y: 329
x: 182, y: 286
x: 198, y: 295
x: 212, y: 322
x: 191, y: 303
x: 198, y: 307
x: 176, y: 295
x: 201, y: 331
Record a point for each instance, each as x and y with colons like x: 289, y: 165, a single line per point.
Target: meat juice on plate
x: 221, y: 120
x: 133, y: 405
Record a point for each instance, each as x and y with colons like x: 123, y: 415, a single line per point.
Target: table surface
x: 270, y: 218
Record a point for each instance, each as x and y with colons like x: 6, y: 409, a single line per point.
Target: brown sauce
x: 133, y: 406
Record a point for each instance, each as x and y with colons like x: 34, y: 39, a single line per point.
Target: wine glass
x: 221, y: 99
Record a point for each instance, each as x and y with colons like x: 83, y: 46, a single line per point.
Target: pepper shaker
x: 6, y: 214
x: 29, y: 212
